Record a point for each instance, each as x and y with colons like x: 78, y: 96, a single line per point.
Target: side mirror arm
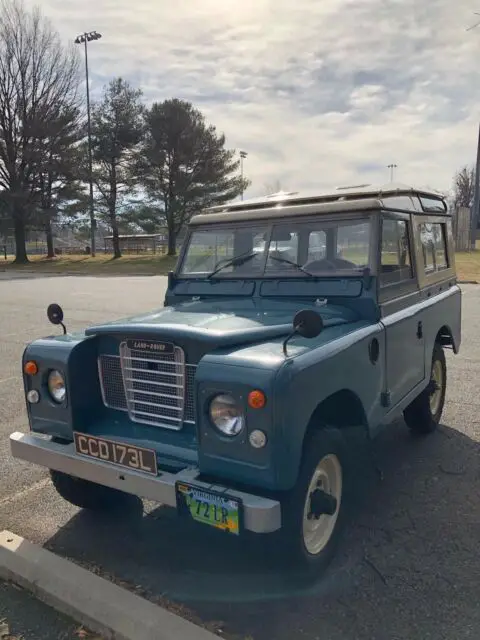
x: 286, y: 341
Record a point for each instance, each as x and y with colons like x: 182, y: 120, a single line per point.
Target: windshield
x: 320, y: 247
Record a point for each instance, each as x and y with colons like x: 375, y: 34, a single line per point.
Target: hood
x: 226, y: 322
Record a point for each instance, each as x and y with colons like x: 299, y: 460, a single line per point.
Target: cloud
x: 318, y: 93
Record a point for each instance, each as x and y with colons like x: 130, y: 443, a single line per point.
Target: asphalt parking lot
x: 408, y: 567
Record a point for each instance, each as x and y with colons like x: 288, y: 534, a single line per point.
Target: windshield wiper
x: 232, y: 262
x: 294, y: 264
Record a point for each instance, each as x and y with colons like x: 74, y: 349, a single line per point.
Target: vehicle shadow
x: 411, y: 543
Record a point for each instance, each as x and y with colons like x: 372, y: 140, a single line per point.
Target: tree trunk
x: 49, y: 237
x: 172, y: 242
x: 20, y: 239
x: 112, y: 206
x: 115, y: 239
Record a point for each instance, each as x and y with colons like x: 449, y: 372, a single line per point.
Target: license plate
x: 124, y: 455
x: 209, y: 507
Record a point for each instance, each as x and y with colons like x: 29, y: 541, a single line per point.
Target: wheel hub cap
x: 322, y: 504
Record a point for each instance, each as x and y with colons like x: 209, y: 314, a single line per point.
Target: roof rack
x: 347, y: 193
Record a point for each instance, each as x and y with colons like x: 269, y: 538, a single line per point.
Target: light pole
x: 391, y: 167
x: 85, y: 38
x: 474, y: 209
x: 243, y: 155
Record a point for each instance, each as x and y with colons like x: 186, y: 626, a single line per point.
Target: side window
x: 434, y: 246
x: 396, y: 263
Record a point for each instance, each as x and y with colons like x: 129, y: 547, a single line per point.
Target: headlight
x: 56, y: 386
x: 226, y: 414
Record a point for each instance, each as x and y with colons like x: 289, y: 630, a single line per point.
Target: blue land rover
x: 233, y: 402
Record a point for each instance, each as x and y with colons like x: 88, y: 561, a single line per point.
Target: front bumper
x: 261, y: 515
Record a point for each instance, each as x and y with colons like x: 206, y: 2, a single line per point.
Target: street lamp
x: 474, y: 209
x: 243, y: 155
x: 85, y: 38
x: 391, y: 167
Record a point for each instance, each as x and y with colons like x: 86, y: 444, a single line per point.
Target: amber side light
x: 256, y: 399
x: 30, y: 368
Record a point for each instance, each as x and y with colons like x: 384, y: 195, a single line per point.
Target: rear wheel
x: 313, y: 512
x: 423, y: 415
x: 86, y: 494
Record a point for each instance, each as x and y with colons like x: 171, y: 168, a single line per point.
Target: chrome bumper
x: 261, y: 515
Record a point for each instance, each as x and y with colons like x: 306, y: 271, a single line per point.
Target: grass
x: 467, y: 263
x: 100, y: 265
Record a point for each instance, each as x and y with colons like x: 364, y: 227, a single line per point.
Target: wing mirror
x: 306, y: 323
x: 55, y: 315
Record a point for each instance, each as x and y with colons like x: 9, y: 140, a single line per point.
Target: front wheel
x: 313, y: 512
x: 423, y: 415
x: 86, y: 494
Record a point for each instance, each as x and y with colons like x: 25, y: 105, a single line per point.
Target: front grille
x: 111, y: 381
x: 156, y: 389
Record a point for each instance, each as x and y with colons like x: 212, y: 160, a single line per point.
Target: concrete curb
x: 100, y: 605
x: 467, y: 282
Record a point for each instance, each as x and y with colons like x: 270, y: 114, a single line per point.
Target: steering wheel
x: 330, y: 265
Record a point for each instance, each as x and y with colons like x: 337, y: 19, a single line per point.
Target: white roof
x: 359, y: 197
x: 365, y: 190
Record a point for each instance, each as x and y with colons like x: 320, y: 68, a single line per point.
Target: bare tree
x: 58, y: 170
x: 464, y: 187
x: 38, y: 79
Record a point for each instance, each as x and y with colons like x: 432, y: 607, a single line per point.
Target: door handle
x: 419, y: 330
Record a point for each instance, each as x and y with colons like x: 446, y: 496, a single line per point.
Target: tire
x: 324, y: 459
x: 86, y: 494
x: 423, y: 415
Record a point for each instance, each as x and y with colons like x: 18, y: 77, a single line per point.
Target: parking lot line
x: 20, y: 494
x: 7, y: 379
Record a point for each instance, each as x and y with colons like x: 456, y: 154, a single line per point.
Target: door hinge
x: 385, y: 398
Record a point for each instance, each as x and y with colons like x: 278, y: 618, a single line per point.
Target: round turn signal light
x: 30, y: 368
x: 256, y: 399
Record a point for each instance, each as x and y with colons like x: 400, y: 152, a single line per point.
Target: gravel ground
x: 407, y: 569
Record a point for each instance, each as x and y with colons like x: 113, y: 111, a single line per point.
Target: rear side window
x: 434, y: 246
x: 432, y: 204
x: 396, y: 262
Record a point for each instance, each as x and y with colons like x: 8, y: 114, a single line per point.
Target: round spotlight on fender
x: 33, y: 396
x: 258, y: 439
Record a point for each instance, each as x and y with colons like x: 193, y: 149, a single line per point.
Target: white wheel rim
x: 318, y: 531
x: 437, y: 379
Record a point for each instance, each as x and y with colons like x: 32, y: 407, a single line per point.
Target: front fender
x: 233, y: 457
x: 75, y: 356
x: 307, y: 380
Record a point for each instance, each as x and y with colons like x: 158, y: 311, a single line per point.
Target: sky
x: 319, y: 93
